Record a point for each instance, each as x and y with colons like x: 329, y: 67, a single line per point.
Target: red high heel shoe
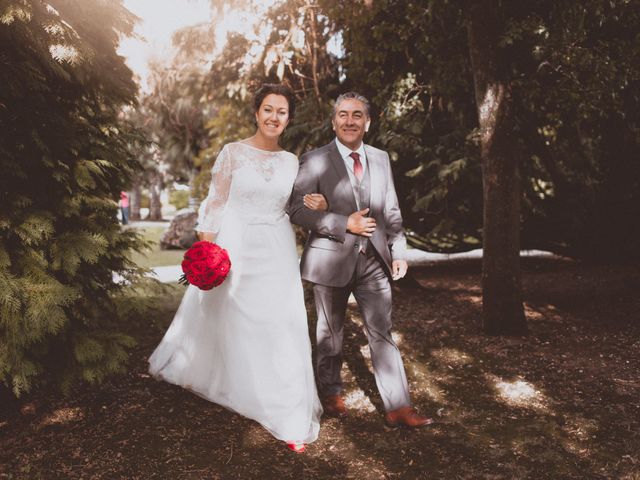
x: 298, y: 447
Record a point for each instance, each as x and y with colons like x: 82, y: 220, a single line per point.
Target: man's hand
x: 399, y: 269
x: 315, y: 201
x: 359, y: 224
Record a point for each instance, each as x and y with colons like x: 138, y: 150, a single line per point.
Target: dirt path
x: 563, y: 403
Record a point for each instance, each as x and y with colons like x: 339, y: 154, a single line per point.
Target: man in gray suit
x: 355, y: 246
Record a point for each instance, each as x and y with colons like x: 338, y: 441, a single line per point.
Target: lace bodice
x: 251, y: 184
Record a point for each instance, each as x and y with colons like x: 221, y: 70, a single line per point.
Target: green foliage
x: 179, y: 199
x: 423, y: 111
x: 294, y: 53
x: 63, y: 154
x: 578, y: 113
x: 144, y: 200
x: 575, y: 71
x: 231, y: 121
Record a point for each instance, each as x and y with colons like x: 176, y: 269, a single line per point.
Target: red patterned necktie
x: 357, y: 165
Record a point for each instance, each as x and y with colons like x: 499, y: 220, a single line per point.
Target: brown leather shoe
x: 406, y: 417
x: 334, y: 406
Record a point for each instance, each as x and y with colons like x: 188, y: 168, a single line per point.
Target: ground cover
x: 154, y: 256
x: 562, y: 403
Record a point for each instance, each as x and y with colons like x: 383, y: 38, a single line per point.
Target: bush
x: 145, y: 200
x: 179, y: 199
x: 63, y: 157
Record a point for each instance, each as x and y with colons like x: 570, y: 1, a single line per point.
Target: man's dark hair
x: 352, y: 96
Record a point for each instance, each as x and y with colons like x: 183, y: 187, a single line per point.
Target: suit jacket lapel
x: 376, y: 187
x: 343, y: 176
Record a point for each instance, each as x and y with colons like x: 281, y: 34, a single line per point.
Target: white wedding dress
x: 245, y: 344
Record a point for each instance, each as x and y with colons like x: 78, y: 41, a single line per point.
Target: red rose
x: 198, y: 251
x: 200, y: 267
x: 205, y: 265
x: 210, y: 277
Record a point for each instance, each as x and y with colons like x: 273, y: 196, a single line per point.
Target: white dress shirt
x: 345, y: 153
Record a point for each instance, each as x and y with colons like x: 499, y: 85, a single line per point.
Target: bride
x: 245, y: 344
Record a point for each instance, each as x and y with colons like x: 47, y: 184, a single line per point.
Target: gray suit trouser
x: 371, y: 288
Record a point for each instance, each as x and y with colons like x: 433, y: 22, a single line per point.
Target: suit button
x: 356, y: 246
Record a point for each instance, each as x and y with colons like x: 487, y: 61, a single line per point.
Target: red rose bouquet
x: 205, y: 265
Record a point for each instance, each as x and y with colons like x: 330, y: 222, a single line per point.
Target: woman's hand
x: 206, y: 237
x: 315, y: 201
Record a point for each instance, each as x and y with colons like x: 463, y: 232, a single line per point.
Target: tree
x: 175, y: 112
x: 574, y: 70
x: 503, y: 312
x: 423, y: 111
x: 576, y: 85
x: 424, y: 114
x: 64, y: 161
x: 293, y: 52
x: 150, y: 172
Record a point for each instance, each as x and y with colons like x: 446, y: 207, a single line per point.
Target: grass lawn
x: 155, y: 257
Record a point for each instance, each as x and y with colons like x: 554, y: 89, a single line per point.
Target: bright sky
x: 159, y: 19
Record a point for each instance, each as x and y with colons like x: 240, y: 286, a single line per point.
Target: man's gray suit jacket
x: 330, y: 254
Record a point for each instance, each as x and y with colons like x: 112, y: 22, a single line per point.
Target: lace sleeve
x: 212, y: 209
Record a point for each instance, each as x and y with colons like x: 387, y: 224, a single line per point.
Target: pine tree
x: 63, y: 161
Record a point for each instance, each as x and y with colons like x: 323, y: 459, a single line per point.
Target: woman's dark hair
x: 277, y: 89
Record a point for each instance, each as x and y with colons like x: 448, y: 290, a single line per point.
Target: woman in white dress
x: 245, y: 344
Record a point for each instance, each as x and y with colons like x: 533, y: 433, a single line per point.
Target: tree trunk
x: 503, y: 312
x: 155, y: 205
x: 194, y: 202
x: 313, y: 47
x: 135, y: 200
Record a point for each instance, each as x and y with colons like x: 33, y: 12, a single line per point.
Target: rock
x: 181, y: 231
